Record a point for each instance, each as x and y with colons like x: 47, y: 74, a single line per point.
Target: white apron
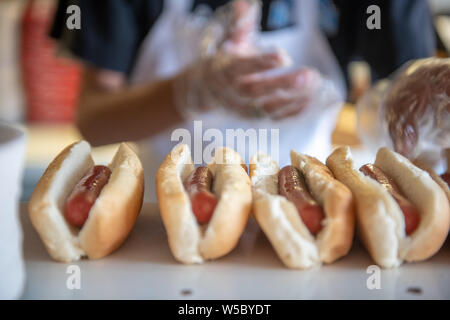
x: 310, y: 132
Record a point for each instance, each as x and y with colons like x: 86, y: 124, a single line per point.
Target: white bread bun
x: 380, y: 220
x: 188, y: 241
x: 430, y: 200
x: 435, y: 177
x: 112, y: 216
x: 282, y: 224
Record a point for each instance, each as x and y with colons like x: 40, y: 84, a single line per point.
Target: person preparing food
x: 153, y: 66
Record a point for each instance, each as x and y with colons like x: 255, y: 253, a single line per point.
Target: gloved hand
x: 416, y: 108
x: 232, y: 73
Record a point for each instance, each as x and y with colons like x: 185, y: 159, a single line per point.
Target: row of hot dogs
x: 309, y: 211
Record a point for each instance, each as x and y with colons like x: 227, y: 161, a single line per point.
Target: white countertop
x: 143, y: 268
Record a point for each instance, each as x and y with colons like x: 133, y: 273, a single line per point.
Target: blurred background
x: 39, y: 89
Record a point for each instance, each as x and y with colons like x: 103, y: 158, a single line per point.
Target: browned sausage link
x: 198, y: 186
x: 411, y: 214
x: 292, y: 185
x: 83, y: 196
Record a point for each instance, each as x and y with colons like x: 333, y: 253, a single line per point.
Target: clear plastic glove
x: 411, y: 112
x: 234, y: 75
x: 416, y: 108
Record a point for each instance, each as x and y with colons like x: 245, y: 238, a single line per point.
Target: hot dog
x: 80, y: 209
x: 84, y: 195
x: 390, y: 235
x: 410, y: 213
x: 293, y: 187
x: 304, y: 211
x: 204, y: 210
x: 198, y: 186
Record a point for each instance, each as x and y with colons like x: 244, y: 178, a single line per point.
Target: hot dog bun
x: 435, y: 177
x: 110, y: 219
x: 282, y: 224
x: 189, y: 242
x: 380, y: 221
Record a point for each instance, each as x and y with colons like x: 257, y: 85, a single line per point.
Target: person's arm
x: 108, y: 43
x: 109, y: 111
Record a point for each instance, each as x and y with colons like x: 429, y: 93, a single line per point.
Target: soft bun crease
x: 295, y: 245
x: 380, y: 220
x: 112, y: 216
x: 435, y: 176
x: 188, y: 241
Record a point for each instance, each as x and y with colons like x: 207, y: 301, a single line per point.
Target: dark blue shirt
x: 112, y: 31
